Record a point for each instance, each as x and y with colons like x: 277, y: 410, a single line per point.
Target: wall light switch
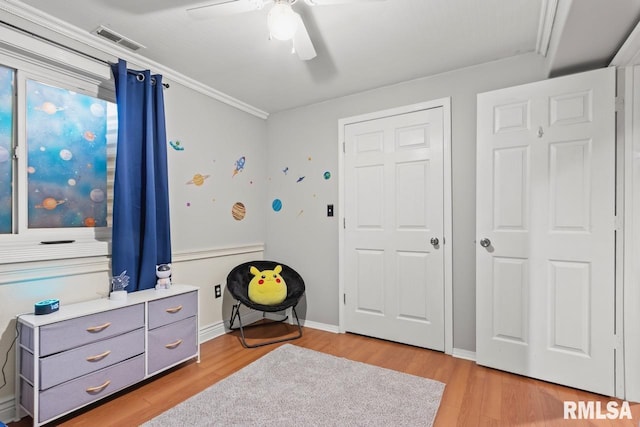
x: 329, y: 210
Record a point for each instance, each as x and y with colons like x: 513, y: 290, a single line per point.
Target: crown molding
x: 33, y: 50
x: 629, y: 52
x: 110, y: 53
x: 545, y: 26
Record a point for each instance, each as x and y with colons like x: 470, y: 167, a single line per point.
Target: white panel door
x: 394, y: 262
x: 546, y: 230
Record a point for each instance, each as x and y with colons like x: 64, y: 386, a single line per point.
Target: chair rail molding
x: 217, y: 252
x: 29, y: 271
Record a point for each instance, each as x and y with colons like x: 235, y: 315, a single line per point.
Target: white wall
x: 306, y: 140
x: 214, y: 136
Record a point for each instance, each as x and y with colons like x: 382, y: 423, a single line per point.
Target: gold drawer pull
x: 173, y: 345
x: 99, y: 388
x: 174, y: 309
x: 99, y: 328
x: 98, y: 357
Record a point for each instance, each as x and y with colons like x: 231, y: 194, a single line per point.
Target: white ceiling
x: 360, y: 46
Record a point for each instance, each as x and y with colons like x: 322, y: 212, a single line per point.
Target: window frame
x: 25, y: 244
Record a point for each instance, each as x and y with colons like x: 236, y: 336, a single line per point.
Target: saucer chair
x: 238, y: 285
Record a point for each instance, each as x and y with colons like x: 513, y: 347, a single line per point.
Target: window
x: 66, y: 158
x: 57, y: 157
x: 6, y: 136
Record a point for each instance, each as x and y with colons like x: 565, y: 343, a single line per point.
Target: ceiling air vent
x: 117, y: 38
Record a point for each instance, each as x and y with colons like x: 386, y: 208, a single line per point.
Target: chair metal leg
x: 235, y: 312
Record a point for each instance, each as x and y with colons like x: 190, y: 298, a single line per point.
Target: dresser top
x: 85, y: 308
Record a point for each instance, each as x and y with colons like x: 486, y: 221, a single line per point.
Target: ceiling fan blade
x: 302, y: 42
x: 330, y: 2
x: 224, y: 8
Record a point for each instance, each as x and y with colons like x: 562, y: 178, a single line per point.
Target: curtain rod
x: 60, y: 45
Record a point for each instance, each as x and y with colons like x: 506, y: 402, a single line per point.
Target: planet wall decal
x: 198, y: 179
x: 276, y: 205
x: 238, y: 211
x: 176, y: 145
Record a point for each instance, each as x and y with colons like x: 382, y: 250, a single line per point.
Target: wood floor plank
x: 474, y: 395
x: 491, y: 400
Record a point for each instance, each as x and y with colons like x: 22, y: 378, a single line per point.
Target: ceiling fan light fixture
x: 281, y: 21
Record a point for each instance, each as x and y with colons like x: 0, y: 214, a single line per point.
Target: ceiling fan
x: 283, y: 22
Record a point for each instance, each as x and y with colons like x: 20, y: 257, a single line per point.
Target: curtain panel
x: 141, y: 229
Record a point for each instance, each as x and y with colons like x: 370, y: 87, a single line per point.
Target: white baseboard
x: 8, y: 410
x: 308, y: 323
x: 461, y: 353
x: 212, y: 331
x: 321, y: 326
x: 215, y: 330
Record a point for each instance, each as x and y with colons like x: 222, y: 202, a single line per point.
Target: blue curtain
x: 141, y: 236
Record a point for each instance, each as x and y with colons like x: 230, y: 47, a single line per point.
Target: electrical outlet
x: 218, y: 290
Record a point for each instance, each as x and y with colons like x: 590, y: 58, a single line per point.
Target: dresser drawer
x: 26, y: 336
x: 71, y: 364
x: 171, y: 309
x: 171, y: 344
x: 84, y: 390
x: 73, y: 333
x: 26, y: 364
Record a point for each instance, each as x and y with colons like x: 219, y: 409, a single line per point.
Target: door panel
x: 511, y: 300
x: 546, y: 202
x: 511, y: 200
x: 394, y: 275
x: 370, y: 281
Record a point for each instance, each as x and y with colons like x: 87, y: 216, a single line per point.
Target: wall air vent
x: 111, y: 35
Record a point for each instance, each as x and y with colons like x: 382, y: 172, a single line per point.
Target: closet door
x: 545, y: 253
x: 394, y: 228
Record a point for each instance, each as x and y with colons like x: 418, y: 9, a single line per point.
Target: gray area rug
x: 294, y: 386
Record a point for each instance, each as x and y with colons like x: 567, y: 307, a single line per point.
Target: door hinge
x: 617, y: 223
x: 344, y: 147
x: 618, y: 342
x: 619, y: 103
x: 344, y: 223
x: 344, y: 299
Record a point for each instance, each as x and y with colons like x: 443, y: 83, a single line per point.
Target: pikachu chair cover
x: 238, y: 285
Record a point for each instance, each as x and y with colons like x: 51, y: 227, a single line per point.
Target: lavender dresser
x: 89, y: 350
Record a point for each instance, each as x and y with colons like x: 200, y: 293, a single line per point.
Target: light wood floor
x: 474, y: 395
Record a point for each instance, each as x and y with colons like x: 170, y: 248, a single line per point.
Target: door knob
x: 434, y: 241
x: 485, y: 243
